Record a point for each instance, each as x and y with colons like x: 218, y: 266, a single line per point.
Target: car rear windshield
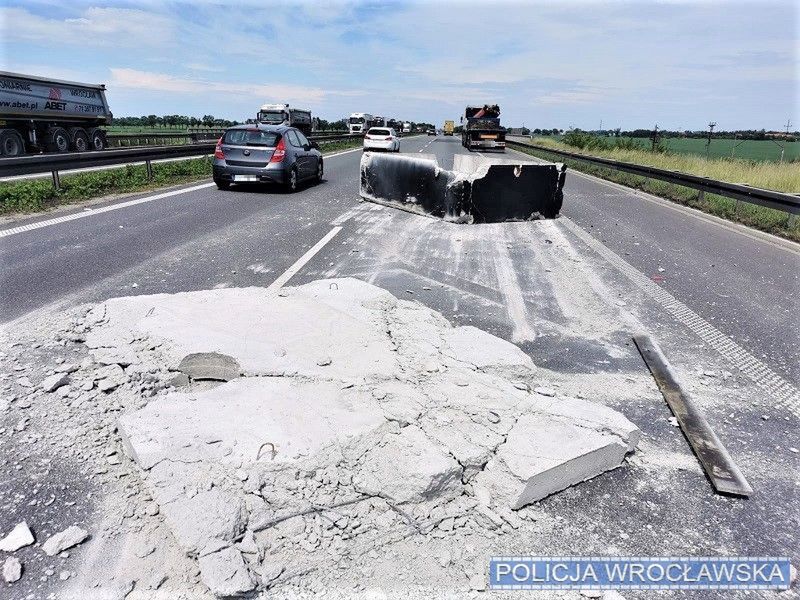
x: 379, y: 132
x: 251, y: 137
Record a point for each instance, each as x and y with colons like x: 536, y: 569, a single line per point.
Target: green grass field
x: 759, y: 150
x: 769, y: 175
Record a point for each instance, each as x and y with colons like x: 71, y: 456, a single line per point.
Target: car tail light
x: 218, y: 153
x: 366, y: 137
x: 387, y: 139
x: 280, y: 152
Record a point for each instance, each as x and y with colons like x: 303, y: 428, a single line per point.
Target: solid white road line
x: 88, y: 212
x: 300, y: 262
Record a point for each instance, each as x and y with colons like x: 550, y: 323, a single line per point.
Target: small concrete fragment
x: 225, y: 573
x: 19, y: 537
x: 209, y: 515
x: 109, y: 378
x: 71, y: 536
x: 12, y: 569
x: 209, y: 366
x: 52, y: 383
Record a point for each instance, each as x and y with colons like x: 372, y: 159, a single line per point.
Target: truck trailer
x: 283, y: 114
x: 482, y: 130
x: 448, y: 128
x: 38, y: 114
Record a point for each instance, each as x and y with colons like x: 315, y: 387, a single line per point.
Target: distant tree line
x: 172, y: 121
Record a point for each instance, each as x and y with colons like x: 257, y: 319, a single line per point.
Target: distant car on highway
x: 382, y: 138
x: 431, y: 131
x: 267, y: 154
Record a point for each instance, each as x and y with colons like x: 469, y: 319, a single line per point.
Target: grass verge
x: 36, y: 195
x: 758, y: 217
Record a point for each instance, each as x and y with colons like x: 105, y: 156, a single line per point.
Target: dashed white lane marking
x: 783, y: 392
x: 300, y: 262
x: 95, y: 211
x: 89, y: 212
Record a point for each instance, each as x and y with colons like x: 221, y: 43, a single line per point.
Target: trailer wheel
x: 78, y: 139
x: 97, y: 139
x: 56, y: 139
x: 11, y: 143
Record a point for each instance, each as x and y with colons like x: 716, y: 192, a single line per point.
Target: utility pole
x: 711, y: 126
x: 601, y: 126
x: 788, y: 126
x: 654, y: 137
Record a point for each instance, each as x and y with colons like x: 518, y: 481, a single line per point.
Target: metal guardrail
x: 783, y: 201
x: 54, y: 163
x: 158, y: 138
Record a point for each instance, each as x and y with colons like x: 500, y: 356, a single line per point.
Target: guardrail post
x: 149, y: 167
x: 56, y: 181
x: 792, y: 221
x: 701, y: 195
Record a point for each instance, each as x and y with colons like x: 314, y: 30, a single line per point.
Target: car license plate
x: 245, y: 178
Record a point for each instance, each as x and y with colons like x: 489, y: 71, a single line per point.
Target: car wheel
x: 222, y: 185
x: 320, y: 171
x: 291, y: 181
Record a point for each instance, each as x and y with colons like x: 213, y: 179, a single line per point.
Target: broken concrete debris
x: 12, y: 569
x: 374, y: 421
x: 19, y: 537
x: 53, y: 382
x: 64, y: 540
x: 209, y: 366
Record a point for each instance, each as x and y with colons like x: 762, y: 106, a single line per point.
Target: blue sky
x: 547, y: 63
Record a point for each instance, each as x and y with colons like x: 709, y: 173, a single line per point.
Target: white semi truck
x: 360, y: 122
x: 38, y: 114
x: 283, y: 114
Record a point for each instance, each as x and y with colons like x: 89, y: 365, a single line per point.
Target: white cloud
x: 283, y: 92
x: 95, y: 27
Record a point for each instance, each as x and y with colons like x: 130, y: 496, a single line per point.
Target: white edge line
x: 300, y: 262
x: 94, y: 211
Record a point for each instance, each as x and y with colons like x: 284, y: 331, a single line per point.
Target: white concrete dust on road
x: 358, y: 420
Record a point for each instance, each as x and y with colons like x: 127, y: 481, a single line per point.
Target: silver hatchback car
x: 267, y: 154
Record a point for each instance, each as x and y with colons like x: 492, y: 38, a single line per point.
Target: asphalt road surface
x: 720, y: 299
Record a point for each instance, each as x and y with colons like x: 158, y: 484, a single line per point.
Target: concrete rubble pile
x: 331, y: 419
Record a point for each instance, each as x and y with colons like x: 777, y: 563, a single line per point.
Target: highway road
x: 720, y: 299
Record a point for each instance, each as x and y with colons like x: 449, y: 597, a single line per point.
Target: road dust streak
x: 512, y: 292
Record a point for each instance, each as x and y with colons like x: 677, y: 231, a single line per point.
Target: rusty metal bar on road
x: 718, y: 465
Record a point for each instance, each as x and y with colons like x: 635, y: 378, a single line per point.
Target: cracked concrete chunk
x: 109, y: 377
x: 354, y: 415
x: 408, y: 467
x: 487, y: 352
x: 19, y: 537
x: 210, y: 365
x: 296, y: 418
x: 225, y: 573
x: 64, y: 540
x: 543, y: 455
x: 209, y: 515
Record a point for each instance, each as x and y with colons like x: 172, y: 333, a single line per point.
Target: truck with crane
x: 481, y: 128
